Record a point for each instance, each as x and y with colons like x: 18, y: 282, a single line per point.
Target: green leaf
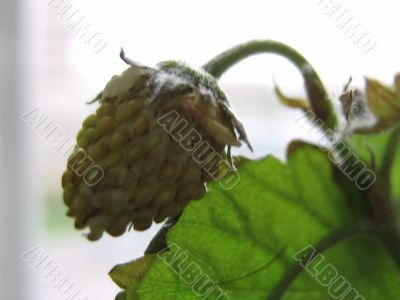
x: 373, y: 150
x: 243, y: 241
x: 128, y: 276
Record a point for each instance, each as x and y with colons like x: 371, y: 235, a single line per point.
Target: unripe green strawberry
x: 149, y: 170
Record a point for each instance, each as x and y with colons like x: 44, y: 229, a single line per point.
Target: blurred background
x: 48, y: 63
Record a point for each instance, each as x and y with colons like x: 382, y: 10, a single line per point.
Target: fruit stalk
x: 318, y: 96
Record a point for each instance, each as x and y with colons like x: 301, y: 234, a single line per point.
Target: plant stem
x: 390, y: 234
x: 159, y: 241
x: 391, y: 150
x: 221, y: 63
x: 318, y: 96
x: 391, y: 239
x: 328, y: 241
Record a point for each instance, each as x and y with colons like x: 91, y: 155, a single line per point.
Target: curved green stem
x: 328, y: 241
x: 318, y: 96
